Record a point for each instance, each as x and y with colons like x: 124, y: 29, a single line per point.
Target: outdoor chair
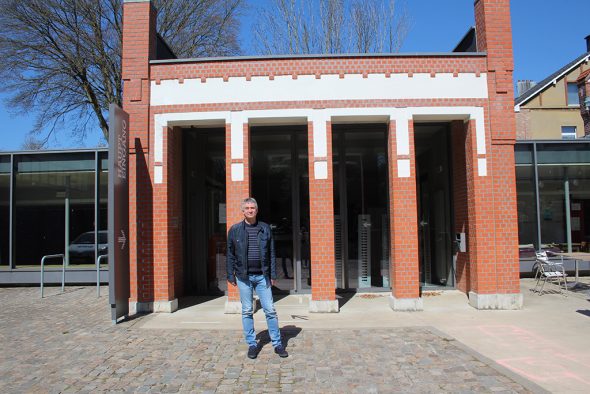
x: 548, y: 270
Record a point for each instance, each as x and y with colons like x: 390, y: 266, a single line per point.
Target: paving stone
x: 66, y: 343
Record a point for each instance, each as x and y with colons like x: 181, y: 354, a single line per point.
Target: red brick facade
x: 484, y: 198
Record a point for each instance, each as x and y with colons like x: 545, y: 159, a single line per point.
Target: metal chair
x: 548, y: 270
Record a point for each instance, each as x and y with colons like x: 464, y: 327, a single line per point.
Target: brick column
x: 493, y: 198
x: 237, y: 185
x: 461, y: 219
x: 321, y: 216
x: 403, y: 216
x: 167, y: 219
x: 138, y: 47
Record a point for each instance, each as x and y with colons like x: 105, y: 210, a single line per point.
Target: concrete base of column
x: 155, y: 306
x: 496, y: 301
x: 405, y: 304
x: 232, y: 307
x: 329, y: 306
x: 166, y: 306
x: 140, y: 307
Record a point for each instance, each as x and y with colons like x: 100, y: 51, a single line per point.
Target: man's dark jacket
x: 237, y: 252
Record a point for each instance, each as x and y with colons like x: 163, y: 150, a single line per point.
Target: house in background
x: 551, y: 108
x: 553, y: 164
x: 583, y: 92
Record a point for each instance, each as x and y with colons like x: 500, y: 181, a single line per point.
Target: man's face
x: 250, y: 211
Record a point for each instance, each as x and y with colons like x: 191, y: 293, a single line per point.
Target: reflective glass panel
x: 561, y: 168
x: 42, y: 184
x: 526, y: 202
x: 361, y: 205
x: 103, y: 190
x: 4, y: 210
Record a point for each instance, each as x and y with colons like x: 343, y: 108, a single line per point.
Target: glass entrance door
x: 280, y: 185
x: 435, y: 234
x: 361, y: 206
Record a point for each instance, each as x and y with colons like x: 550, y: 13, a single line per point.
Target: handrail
x: 98, y: 273
x: 63, y: 270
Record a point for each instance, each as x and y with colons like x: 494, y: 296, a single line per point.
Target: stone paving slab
x: 66, y: 343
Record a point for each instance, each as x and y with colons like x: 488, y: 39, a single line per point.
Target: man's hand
x: 273, y: 282
x: 234, y: 284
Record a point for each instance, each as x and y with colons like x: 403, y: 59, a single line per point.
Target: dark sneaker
x: 281, y: 352
x: 252, y: 352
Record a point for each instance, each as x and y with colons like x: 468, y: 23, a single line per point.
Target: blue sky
x: 547, y: 34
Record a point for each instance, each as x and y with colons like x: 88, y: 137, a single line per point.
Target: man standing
x: 251, y: 266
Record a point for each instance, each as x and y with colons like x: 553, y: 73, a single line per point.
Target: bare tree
x: 31, y: 143
x: 62, y: 58
x: 330, y: 26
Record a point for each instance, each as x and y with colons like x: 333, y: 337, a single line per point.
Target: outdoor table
x: 576, y: 256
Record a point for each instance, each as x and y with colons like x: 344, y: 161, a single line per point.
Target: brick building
x: 366, y: 166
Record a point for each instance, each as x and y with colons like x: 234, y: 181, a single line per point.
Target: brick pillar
x: 167, y: 219
x: 461, y: 219
x: 237, y: 186
x: 138, y: 47
x: 496, y: 284
x: 403, y: 216
x: 321, y: 216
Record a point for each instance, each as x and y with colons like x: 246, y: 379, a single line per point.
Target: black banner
x: 118, y: 213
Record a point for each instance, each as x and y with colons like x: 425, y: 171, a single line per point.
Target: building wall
x: 543, y: 116
x: 399, y: 90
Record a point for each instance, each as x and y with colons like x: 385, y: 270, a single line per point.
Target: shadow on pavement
x: 187, y: 302
x: 287, y: 333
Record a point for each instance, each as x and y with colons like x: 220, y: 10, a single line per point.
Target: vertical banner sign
x: 118, y: 213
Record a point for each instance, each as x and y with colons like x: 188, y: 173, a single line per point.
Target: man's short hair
x: 248, y: 200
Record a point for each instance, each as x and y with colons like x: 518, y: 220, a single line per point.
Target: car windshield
x: 102, y: 238
x: 86, y: 238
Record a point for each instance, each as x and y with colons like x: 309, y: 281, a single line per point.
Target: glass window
x: 572, y: 94
x: 42, y: 184
x: 563, y: 167
x: 4, y: 210
x: 526, y: 202
x: 568, y: 132
x: 103, y: 194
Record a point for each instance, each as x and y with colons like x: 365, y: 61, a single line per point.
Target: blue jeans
x: 262, y: 285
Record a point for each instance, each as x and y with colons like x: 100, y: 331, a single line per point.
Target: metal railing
x: 98, y: 273
x: 63, y: 270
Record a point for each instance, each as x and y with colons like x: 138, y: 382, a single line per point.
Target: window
x: 568, y: 132
x: 572, y: 94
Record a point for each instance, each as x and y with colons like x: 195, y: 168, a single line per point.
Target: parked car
x: 82, y: 248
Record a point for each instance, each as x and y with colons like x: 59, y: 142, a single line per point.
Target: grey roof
x: 533, y: 91
x: 319, y: 56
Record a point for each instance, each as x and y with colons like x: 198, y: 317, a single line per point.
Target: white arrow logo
x: 122, y: 240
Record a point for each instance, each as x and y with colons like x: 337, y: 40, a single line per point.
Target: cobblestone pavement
x: 66, y: 343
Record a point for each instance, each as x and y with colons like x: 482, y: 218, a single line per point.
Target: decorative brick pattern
x: 321, y: 66
x: 321, y: 216
x: 403, y: 216
x: 318, y: 104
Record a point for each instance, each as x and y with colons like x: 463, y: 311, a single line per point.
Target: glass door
x: 435, y: 234
x: 280, y: 185
x: 361, y: 206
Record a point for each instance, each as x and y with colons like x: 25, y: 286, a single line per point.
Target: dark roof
x: 526, y: 96
x: 468, y: 43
